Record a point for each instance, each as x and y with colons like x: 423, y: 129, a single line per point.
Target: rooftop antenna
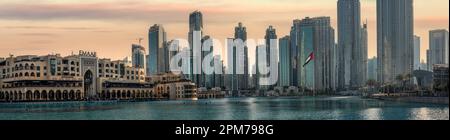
x: 140, y: 39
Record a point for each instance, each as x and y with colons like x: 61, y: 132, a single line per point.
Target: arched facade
x: 76, y: 78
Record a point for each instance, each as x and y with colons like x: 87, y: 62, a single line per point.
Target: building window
x: 52, y: 66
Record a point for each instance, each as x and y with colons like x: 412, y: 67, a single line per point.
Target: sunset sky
x: 109, y: 27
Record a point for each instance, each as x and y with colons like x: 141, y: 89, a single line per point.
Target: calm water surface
x: 282, y: 108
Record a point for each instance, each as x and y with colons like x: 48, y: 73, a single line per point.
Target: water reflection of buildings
x: 85, y: 77
x: 420, y: 114
x: 372, y: 114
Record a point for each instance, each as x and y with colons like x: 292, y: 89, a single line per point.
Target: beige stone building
x: 84, y: 76
x: 173, y: 86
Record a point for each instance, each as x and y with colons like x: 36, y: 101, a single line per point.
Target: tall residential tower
x: 351, y: 51
x: 240, y: 32
x: 195, y: 26
x: 317, y: 55
x: 438, y: 47
x: 138, y: 56
x: 416, y: 55
x: 395, y: 39
x: 157, y: 50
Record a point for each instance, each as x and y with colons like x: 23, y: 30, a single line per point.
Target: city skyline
x: 112, y: 28
x: 224, y: 60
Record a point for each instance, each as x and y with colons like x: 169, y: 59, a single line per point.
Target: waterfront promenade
x: 405, y: 97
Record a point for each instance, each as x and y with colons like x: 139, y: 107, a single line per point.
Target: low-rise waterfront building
x: 84, y: 77
x: 213, y: 93
x: 424, y: 79
x: 440, y: 78
x: 173, y: 86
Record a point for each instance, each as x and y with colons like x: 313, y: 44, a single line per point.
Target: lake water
x: 282, y: 108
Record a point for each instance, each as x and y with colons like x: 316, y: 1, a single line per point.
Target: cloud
x: 40, y: 42
x: 49, y: 27
x: 156, y: 11
x: 37, y: 34
x: 88, y: 29
x: 92, y: 11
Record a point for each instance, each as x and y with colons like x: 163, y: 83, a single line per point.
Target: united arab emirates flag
x: 310, y: 57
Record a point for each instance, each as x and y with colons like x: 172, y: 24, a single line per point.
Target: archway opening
x: 88, y: 83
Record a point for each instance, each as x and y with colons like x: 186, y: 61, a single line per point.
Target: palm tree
x: 400, y: 78
x: 408, y: 76
x: 371, y: 83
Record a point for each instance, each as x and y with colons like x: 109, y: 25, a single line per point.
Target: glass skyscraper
x: 307, y: 46
x: 294, y: 52
x: 395, y: 39
x: 240, y: 32
x: 317, y: 45
x: 157, y: 50
x: 438, y: 47
x: 207, y: 80
x: 372, y: 69
x: 285, y: 76
x: 362, y: 69
x: 270, y: 35
x: 351, y: 59
x: 138, y: 56
x: 416, y: 56
x: 195, y: 25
